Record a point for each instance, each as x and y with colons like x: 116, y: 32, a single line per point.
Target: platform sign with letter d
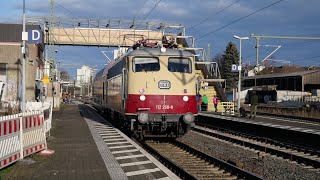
x: 34, y: 36
x: 234, y: 68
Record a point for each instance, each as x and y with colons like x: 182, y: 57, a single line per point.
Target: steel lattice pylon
x: 51, y: 36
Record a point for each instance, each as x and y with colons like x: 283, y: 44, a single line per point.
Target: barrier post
x: 21, y: 135
x: 50, y: 118
x: 44, y: 128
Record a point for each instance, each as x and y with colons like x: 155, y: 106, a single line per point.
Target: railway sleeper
x: 182, y: 152
x: 223, y: 178
x: 215, y: 176
x: 191, y: 162
x: 186, y: 159
x: 181, y: 156
x: 205, y: 171
x: 209, y: 174
x: 199, y: 168
x: 204, y: 176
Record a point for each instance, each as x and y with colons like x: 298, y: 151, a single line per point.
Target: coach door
x: 124, y: 89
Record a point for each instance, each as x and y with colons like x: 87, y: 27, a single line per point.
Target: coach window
x: 145, y: 64
x: 182, y: 65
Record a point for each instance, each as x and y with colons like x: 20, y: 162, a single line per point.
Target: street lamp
x: 24, y: 38
x: 239, y: 68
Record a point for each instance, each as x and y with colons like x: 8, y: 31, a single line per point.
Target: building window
x: 3, y: 80
x: 39, y: 74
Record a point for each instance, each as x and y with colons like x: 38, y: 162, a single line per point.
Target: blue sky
x: 286, y: 18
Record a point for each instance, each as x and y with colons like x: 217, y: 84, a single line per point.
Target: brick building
x: 11, y: 63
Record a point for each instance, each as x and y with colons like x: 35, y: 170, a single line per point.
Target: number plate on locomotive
x: 164, y: 84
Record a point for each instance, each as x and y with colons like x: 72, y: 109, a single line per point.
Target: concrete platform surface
x: 274, y: 122
x: 76, y: 155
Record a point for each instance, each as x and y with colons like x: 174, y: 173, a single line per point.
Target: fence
x: 228, y: 108
x: 21, y: 135
x: 301, y: 98
x: 312, y: 98
x: 47, y: 112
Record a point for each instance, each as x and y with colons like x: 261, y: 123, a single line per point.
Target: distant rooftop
x: 282, y: 69
x: 287, y: 74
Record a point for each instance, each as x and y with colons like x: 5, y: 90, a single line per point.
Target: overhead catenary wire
x: 237, y: 20
x: 136, y: 15
x: 150, y: 12
x: 221, y: 10
x: 71, y: 13
x: 308, y: 58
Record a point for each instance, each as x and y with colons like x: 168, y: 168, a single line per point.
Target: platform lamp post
x: 239, y: 68
x: 23, y: 51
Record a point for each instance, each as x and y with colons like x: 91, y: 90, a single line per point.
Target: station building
x: 11, y: 64
x: 292, y: 81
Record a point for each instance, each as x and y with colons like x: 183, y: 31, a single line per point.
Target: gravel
x: 264, y: 165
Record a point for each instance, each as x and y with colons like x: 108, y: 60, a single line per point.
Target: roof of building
x: 274, y: 75
x: 282, y: 69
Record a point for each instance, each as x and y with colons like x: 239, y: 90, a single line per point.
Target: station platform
x: 87, y: 147
x: 270, y: 121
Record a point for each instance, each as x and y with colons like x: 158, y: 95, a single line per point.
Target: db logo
x: 164, y: 84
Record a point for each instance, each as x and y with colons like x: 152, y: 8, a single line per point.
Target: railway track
x: 190, y: 163
x: 291, y: 118
x: 310, y: 158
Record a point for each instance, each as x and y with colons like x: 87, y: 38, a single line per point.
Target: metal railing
x: 228, y: 108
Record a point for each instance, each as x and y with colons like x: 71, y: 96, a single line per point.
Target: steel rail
x: 233, y: 170
x: 280, y: 149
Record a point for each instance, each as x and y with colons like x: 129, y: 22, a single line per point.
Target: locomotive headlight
x: 163, y: 49
x: 185, y: 98
x: 188, y: 118
x: 142, y: 91
x: 142, y: 97
x: 143, y: 118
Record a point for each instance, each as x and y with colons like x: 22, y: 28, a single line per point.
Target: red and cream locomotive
x: 150, y: 90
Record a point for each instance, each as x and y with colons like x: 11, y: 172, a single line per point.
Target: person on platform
x: 204, y: 102
x: 253, y: 105
x: 215, y: 102
x: 199, y: 101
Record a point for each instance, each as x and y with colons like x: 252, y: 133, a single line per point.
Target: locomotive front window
x: 145, y: 64
x: 182, y: 65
